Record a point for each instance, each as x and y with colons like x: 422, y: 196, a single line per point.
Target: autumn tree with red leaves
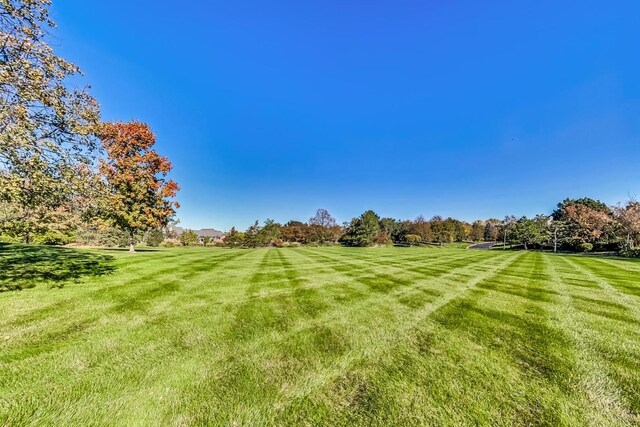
x: 139, y: 195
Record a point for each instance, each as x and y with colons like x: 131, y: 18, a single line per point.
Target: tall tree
x: 362, y: 231
x: 421, y: 227
x: 139, y: 193
x: 295, y: 231
x: 628, y: 216
x: 443, y: 230
x: 268, y: 233
x: 491, y: 230
x: 477, y: 231
x: 234, y: 238
x: 252, y: 235
x: 586, y: 220
x: 46, y: 128
x: 323, y: 227
x: 528, y: 231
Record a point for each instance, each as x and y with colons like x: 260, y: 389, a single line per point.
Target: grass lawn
x: 318, y: 336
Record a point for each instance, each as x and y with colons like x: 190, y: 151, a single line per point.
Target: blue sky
x: 466, y: 109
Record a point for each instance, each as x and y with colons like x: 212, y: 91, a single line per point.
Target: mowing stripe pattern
x: 319, y: 336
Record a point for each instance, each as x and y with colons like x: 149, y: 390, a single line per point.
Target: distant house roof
x: 205, y: 232
x: 209, y: 232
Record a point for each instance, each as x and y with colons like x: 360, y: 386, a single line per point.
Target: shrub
x: 53, y: 238
x: 278, y: 243
x: 585, y: 247
x: 170, y: 243
x: 154, y: 238
x: 412, y: 239
x: 382, y: 239
x: 631, y: 253
x: 294, y: 245
x: 189, y: 237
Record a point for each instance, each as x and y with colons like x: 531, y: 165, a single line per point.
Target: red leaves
x: 136, y: 176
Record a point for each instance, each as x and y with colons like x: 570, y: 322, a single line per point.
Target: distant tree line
x: 580, y: 225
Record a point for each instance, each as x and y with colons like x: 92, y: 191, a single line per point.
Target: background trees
x: 363, y: 230
x: 628, y: 218
x: 188, y: 238
x: 322, y: 227
x: 234, y: 238
x: 529, y: 231
x: 294, y: 231
x: 477, y: 231
x: 585, y: 221
x: 139, y: 195
x: 492, y: 230
x: 154, y: 238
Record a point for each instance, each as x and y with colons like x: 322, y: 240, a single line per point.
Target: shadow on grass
x: 23, y: 266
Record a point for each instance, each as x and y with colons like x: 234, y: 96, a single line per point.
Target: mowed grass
x: 318, y: 336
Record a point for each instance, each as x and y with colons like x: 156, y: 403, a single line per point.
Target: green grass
x: 318, y: 336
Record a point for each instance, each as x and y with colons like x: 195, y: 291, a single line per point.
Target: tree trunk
x: 525, y: 246
x: 132, y: 242
x: 27, y: 237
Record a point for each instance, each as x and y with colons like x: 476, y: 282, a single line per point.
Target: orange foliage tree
x: 139, y: 195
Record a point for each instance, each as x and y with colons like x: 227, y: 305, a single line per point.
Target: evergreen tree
x: 363, y: 231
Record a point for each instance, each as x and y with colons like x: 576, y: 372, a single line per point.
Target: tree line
x: 580, y: 225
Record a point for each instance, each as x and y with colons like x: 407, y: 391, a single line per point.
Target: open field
x: 318, y: 336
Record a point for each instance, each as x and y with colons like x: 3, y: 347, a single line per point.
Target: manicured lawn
x: 318, y: 336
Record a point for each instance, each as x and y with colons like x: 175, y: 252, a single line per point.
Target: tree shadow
x: 23, y: 266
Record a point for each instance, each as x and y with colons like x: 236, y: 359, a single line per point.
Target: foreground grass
x: 319, y: 336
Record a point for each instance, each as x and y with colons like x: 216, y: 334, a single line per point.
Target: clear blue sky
x: 467, y: 109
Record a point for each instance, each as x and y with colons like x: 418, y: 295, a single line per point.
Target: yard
x: 317, y: 336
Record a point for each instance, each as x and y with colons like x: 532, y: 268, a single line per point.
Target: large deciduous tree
x: 295, y: 231
x: 322, y: 227
x: 585, y: 220
x: 628, y: 217
x: 139, y: 193
x: 46, y: 128
x: 491, y: 230
x: 529, y: 231
x: 477, y: 231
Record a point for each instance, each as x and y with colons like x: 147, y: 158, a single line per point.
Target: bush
x: 53, y: 238
x: 630, y: 253
x: 154, y: 238
x: 382, y: 239
x: 413, y: 239
x: 170, y: 243
x: 294, y: 245
x: 585, y: 247
x: 188, y: 238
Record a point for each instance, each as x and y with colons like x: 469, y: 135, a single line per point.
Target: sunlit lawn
x: 318, y: 336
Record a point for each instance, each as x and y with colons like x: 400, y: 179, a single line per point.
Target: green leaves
x: 46, y: 128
